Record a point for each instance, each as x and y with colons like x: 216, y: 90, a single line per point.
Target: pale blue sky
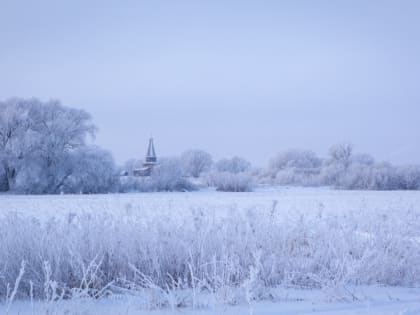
x: 232, y: 77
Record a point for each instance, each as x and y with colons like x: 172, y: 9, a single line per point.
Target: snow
x: 144, y: 211
x: 374, y: 301
x: 287, y: 199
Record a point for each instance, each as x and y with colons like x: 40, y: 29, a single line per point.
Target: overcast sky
x: 248, y: 78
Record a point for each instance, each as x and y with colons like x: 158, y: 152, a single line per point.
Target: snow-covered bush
x: 408, y: 177
x: 234, y: 165
x: 169, y: 176
x: 342, y: 169
x: 293, y: 176
x: 85, y: 170
x: 295, y: 159
x: 94, y: 172
x: 233, y: 175
x: 383, y: 177
x: 295, y: 167
x: 130, y: 166
x: 128, y: 184
x: 379, y: 176
x: 235, y: 182
x: 166, y: 176
x: 89, y: 253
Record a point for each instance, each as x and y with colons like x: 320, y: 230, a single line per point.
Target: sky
x: 247, y: 78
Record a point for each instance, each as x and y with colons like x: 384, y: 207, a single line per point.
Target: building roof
x: 151, y: 150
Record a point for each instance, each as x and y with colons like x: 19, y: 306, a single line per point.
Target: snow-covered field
x: 287, y: 199
x: 273, y: 251
x: 376, y: 301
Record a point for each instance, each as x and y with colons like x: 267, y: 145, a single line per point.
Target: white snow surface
x: 367, y: 299
x: 374, y: 301
x: 287, y: 198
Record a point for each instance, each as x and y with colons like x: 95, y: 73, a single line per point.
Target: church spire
x: 151, y: 154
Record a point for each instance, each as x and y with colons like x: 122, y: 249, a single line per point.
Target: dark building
x: 149, y: 163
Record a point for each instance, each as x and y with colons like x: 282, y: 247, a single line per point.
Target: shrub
x: 295, y: 167
x: 409, y: 177
x: 84, y: 252
x: 168, y: 176
x: 226, y: 181
x: 234, y: 165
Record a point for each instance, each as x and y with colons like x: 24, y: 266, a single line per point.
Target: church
x: 149, y: 163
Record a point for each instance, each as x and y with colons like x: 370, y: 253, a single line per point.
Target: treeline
x: 45, y: 148
x: 191, y: 170
x: 342, y: 169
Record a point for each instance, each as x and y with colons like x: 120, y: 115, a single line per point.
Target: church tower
x: 149, y: 162
x: 151, y: 158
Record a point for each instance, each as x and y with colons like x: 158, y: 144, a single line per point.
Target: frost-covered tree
x: 169, y: 176
x: 383, y: 177
x: 56, y: 133
x: 337, y: 163
x: 409, y: 177
x: 341, y: 169
x: 231, y: 175
x: 295, y: 167
x: 234, y: 182
x: 94, y: 171
x: 357, y: 175
x: 195, y: 162
x: 362, y: 159
x: 380, y: 176
x: 43, y: 149
x: 15, y: 137
x: 300, y: 159
x: 341, y: 153
x: 131, y: 165
x: 234, y: 165
x: 3, y: 181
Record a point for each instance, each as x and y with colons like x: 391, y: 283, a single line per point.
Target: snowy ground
x: 367, y: 299
x: 287, y: 199
x: 373, y: 301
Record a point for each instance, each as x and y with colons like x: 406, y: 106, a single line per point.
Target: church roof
x: 151, y: 149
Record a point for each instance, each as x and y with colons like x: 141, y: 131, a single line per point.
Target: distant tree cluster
x: 234, y: 165
x: 44, y: 150
x: 295, y: 167
x: 168, y: 175
x: 192, y: 169
x: 341, y: 169
x: 232, y: 175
